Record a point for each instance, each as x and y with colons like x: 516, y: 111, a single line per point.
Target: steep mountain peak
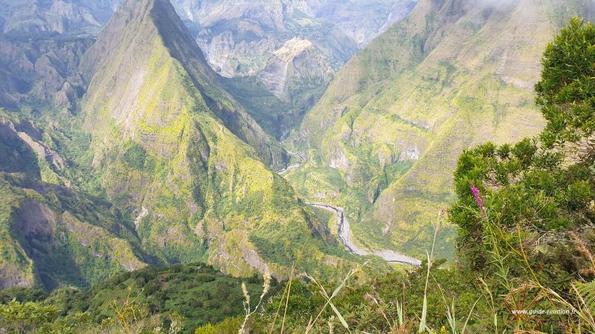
x: 135, y: 20
x: 134, y: 33
x: 298, y: 61
x: 189, y: 163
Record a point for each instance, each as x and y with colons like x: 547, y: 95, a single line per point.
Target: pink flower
x: 478, y: 200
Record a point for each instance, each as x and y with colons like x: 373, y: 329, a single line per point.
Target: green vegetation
x: 180, y: 297
x: 274, y: 115
x: 536, y: 197
x: 392, y: 124
x: 197, y: 294
x: 157, y: 165
x: 51, y: 235
x: 525, y: 243
x: 135, y: 156
x: 525, y: 246
x: 180, y: 186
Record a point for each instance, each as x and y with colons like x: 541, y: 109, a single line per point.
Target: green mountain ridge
x: 163, y: 20
x: 190, y: 163
x: 190, y: 177
x: 384, y: 139
x: 179, y: 296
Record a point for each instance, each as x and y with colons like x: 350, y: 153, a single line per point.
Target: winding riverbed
x: 345, y: 237
x: 345, y: 230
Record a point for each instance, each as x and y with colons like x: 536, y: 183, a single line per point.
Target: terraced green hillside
x: 384, y: 139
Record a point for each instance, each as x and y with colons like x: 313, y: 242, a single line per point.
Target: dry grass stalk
x: 248, y: 310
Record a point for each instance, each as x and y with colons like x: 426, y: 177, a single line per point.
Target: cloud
x: 494, y: 3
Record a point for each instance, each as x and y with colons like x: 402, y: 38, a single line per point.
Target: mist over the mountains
x: 494, y: 2
x: 588, y: 6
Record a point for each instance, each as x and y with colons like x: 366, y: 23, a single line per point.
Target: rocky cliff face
x: 41, y: 44
x: 239, y: 37
x: 297, y: 63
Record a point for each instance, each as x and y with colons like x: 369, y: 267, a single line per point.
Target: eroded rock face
x: 236, y: 36
x: 35, y: 221
x: 16, y: 155
x: 297, y: 63
x: 41, y: 43
x: 23, y: 135
x: 13, y: 277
